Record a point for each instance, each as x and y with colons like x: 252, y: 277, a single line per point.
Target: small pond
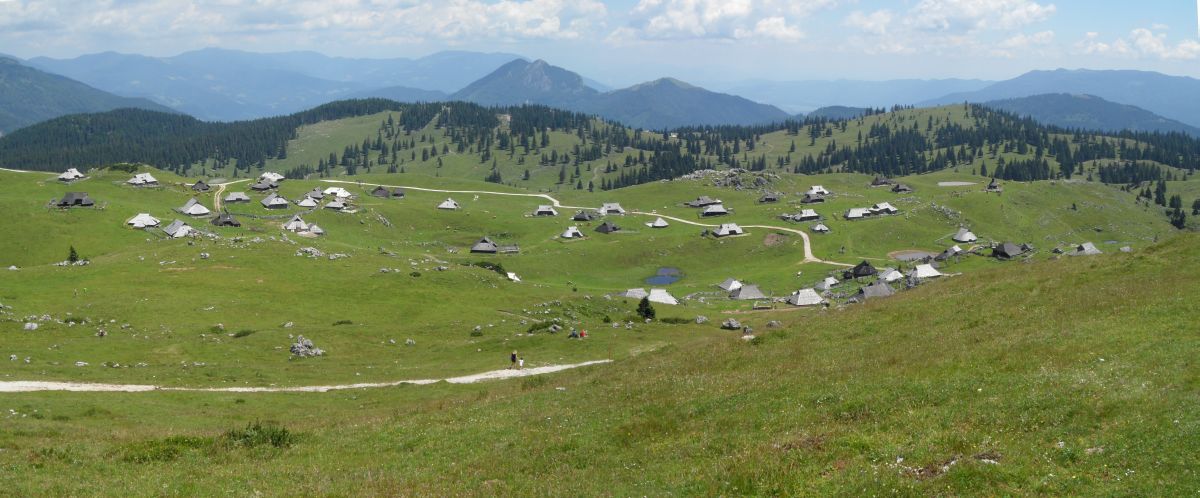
x: 665, y: 276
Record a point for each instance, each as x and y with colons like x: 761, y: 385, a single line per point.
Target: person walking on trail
x: 521, y: 363
x: 513, y: 359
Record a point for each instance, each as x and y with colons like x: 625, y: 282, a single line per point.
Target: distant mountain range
x: 1173, y: 97
x: 1088, y: 112
x: 806, y: 96
x: 660, y: 104
x: 28, y: 96
x: 226, y: 85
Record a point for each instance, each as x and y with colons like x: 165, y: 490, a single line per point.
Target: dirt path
x: 220, y: 190
x: 24, y: 171
x: 808, y: 254
x: 37, y: 386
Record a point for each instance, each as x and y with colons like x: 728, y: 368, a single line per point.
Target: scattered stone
x: 81, y: 363
x: 337, y: 256
x: 13, y: 268
x: 1126, y: 249
x: 731, y: 324
x: 410, y: 342
x: 701, y: 319
x: 12, y: 357
x: 556, y: 328
x: 31, y: 326
x: 774, y: 324
x: 304, y: 348
x: 311, y: 252
x: 1094, y: 451
x: 288, y: 325
x: 204, y: 255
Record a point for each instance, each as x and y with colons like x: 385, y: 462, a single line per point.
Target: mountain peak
x: 521, y: 81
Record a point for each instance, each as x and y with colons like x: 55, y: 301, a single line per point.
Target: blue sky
x: 625, y: 41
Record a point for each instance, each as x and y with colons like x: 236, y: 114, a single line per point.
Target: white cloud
x: 719, y: 19
x: 1022, y: 43
x: 1141, y: 43
x: 876, y: 23
x: 449, y: 21
x: 976, y: 15
x: 961, y: 27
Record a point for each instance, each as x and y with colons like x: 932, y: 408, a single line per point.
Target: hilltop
x: 28, y: 96
x: 1088, y: 112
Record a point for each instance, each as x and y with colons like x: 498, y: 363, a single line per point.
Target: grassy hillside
x: 1043, y: 379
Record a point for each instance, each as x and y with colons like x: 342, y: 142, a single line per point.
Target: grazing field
x: 1036, y: 379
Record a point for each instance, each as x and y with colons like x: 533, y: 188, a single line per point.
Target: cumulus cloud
x: 975, y: 15
x: 1141, y: 43
x: 420, y: 20
x: 972, y: 27
x: 719, y: 19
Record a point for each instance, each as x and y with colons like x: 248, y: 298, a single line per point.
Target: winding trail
x: 25, y: 171
x: 20, y: 386
x: 808, y: 254
x: 220, y: 190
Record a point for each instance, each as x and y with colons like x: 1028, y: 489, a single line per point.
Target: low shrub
x: 261, y: 434
x: 243, y: 333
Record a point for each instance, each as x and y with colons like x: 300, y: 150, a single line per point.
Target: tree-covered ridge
x: 539, y: 146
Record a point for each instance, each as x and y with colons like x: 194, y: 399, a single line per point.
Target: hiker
x: 583, y: 334
x: 513, y: 359
x: 573, y: 335
x: 521, y: 363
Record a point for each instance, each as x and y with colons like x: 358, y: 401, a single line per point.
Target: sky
x: 620, y: 42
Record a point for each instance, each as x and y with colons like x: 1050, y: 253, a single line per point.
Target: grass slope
x: 1054, y: 378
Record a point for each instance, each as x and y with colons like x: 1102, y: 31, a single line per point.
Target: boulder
x: 31, y: 326
x: 701, y: 319
x: 774, y: 324
x: 731, y: 324
x: 304, y: 348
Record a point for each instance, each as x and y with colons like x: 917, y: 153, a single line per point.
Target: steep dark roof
x: 1007, y: 250
x: 863, y: 269
x: 485, y: 245
x: 810, y: 199
x: 226, y: 220
x: 585, y: 216
x: 76, y: 199
x: 607, y: 227
x: 200, y: 186
x: 877, y: 289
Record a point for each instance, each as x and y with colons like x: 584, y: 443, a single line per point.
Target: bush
x: 538, y: 326
x: 260, y: 434
x: 415, y: 274
x: 496, y: 267
x: 162, y: 450
x: 476, y: 333
x: 126, y: 167
x: 243, y: 333
x: 645, y: 309
x: 676, y: 321
x: 343, y: 322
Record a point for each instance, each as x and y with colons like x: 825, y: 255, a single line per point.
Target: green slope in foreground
x: 1069, y: 377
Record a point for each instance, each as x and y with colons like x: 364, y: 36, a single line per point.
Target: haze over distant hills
x: 1089, y: 112
x: 218, y: 84
x: 663, y: 103
x: 28, y: 96
x: 805, y: 96
x: 225, y: 85
x: 1169, y: 96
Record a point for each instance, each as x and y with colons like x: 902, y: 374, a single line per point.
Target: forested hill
x: 541, y: 147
